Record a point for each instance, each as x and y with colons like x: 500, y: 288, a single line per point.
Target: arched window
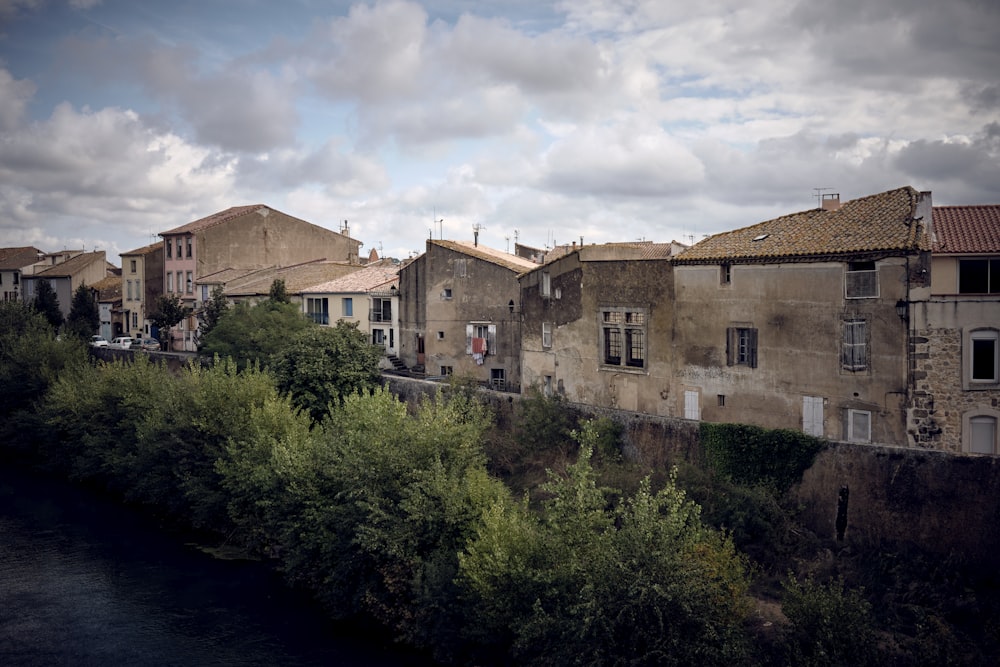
x: 980, y: 434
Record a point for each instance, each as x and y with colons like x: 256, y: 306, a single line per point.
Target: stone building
x: 459, y: 313
x: 803, y: 322
x: 597, y: 326
x: 956, y: 403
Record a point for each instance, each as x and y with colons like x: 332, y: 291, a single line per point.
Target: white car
x: 98, y: 341
x: 122, y: 343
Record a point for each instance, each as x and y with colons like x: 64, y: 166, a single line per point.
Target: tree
x: 214, y: 309
x: 323, y: 365
x: 84, y: 318
x: 47, y: 303
x: 169, y: 311
x: 255, y: 334
x: 638, y: 582
x: 278, y: 293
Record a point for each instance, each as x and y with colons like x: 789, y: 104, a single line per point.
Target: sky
x: 535, y: 122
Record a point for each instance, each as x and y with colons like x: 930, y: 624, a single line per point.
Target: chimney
x: 831, y: 201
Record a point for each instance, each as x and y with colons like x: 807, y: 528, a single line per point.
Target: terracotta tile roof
x: 296, y: 277
x: 874, y: 224
x: 967, y: 229
x: 18, y: 258
x: 214, y: 219
x: 368, y: 279
x: 108, y: 289
x: 72, y: 266
x: 498, y: 257
x: 144, y: 250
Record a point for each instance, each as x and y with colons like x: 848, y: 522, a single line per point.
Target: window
x: 135, y: 320
x: 189, y: 283
x: 131, y: 264
x: 179, y: 255
x: 979, y: 276
x: 447, y: 370
x: 480, y: 339
x: 546, y: 334
x: 720, y: 400
x: 983, y: 362
x: 440, y: 335
x: 138, y: 289
x: 204, y: 292
x: 461, y: 268
x: 128, y: 288
x: 446, y: 294
x: 692, y: 409
x: 741, y: 346
x: 623, y: 337
x: 861, y: 281
x: 347, y: 306
x: 546, y: 283
x: 726, y: 274
x: 854, y: 349
x: 187, y: 242
x: 318, y: 309
x: 169, y: 245
x: 170, y: 281
x: 859, y: 426
x: 498, y: 379
x: 381, y: 310
x: 378, y: 337
x: 812, y: 415
x: 979, y: 432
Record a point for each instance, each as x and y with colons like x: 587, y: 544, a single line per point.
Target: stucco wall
x: 798, y: 311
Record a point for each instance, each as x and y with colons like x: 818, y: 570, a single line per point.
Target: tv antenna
x: 476, y: 228
x: 819, y: 196
x: 440, y: 223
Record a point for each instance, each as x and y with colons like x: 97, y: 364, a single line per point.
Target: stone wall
x: 935, y: 500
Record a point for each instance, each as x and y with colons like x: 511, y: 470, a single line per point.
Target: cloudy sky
x: 541, y: 122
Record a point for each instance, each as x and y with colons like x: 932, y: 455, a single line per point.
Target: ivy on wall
x: 752, y: 455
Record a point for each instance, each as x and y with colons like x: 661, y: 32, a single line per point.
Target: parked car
x: 148, y: 345
x: 122, y: 342
x: 98, y: 341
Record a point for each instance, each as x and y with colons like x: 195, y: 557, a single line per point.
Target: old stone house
x: 802, y: 322
x: 597, y: 325
x: 14, y: 263
x: 956, y: 335
x: 460, y: 312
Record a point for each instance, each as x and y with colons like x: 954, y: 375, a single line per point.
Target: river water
x: 84, y: 581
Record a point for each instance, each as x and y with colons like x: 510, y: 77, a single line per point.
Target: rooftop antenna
x: 440, y: 223
x: 476, y: 228
x: 516, y: 233
x: 819, y: 196
x: 344, y: 229
x: 507, y: 239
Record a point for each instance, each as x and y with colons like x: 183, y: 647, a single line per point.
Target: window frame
x: 970, y: 336
x: 852, y: 425
x: 546, y: 284
x: 967, y: 425
x: 623, y: 337
x: 347, y: 306
x: 854, y: 353
x: 741, y: 345
x: 992, y: 274
x: 546, y: 334
x: 854, y: 280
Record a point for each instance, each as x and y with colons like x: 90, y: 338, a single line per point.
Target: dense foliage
x: 84, y: 318
x: 758, y: 456
x: 213, y: 310
x: 168, y: 311
x: 254, y: 334
x: 321, y: 365
x: 389, y: 512
x: 46, y: 302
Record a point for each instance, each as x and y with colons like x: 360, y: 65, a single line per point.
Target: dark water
x: 84, y: 581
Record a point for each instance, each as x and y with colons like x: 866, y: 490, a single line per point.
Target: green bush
x: 829, y: 626
x: 755, y: 456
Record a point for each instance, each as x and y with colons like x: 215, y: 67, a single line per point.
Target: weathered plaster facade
x: 454, y: 293
x: 571, y: 303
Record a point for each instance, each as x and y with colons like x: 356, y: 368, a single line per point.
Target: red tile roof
x: 214, y: 219
x: 967, y: 229
x: 18, y: 258
x: 884, y: 222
